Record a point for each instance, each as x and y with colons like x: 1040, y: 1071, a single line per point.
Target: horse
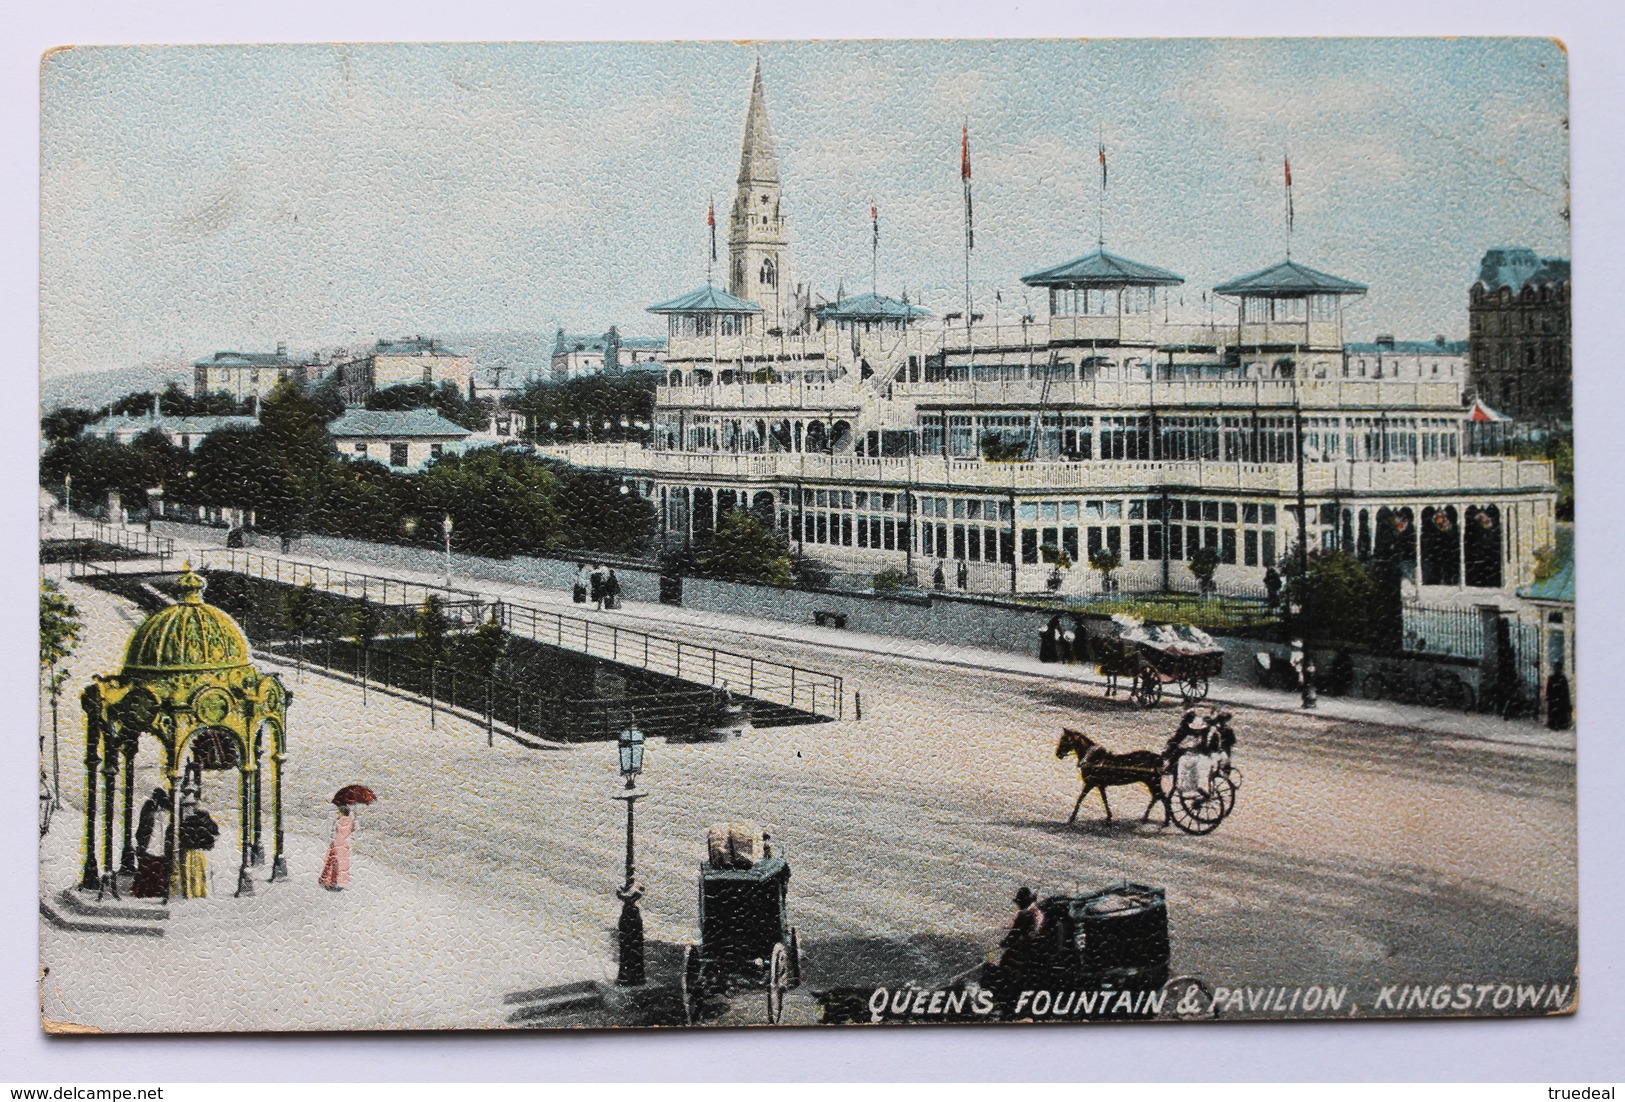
x: 1100, y: 768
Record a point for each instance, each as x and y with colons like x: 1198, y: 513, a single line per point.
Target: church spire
x: 758, y: 156
x: 757, y: 243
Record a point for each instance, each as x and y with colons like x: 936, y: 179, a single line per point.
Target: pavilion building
x: 874, y: 438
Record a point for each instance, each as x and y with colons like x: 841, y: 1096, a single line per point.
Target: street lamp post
x: 630, y: 927
x: 67, y: 495
x: 445, y: 526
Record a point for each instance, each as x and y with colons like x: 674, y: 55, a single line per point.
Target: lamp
x: 631, y: 748
x: 445, y: 526
x: 629, y: 930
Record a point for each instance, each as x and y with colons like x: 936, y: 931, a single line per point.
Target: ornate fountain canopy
x: 187, y: 637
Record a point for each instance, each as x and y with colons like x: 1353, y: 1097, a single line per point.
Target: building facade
x: 1519, y: 336
x: 402, y: 439
x: 245, y: 375
x: 399, y: 362
x: 183, y: 432
x: 1004, y: 454
x: 604, y: 354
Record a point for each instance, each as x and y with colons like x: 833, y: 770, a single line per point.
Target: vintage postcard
x: 715, y: 534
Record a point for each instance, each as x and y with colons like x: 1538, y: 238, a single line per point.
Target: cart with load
x: 1144, y: 659
x: 1110, y: 941
x: 746, y: 940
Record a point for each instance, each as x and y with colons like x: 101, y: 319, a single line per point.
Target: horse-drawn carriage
x: 746, y: 940
x: 1113, y: 940
x: 1194, y: 777
x: 1148, y: 658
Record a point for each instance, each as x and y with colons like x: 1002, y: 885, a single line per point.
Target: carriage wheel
x: 778, y: 982
x: 795, y: 957
x: 1196, y: 812
x: 1224, y: 789
x: 1193, y: 689
x: 1147, y: 688
x: 1371, y: 688
x: 692, y: 984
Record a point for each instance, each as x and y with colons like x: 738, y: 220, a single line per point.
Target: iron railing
x: 760, y: 678
x: 796, y: 687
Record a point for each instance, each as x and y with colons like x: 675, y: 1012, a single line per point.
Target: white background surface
x: 1563, y: 1050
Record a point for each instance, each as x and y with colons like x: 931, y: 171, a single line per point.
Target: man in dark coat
x: 152, y: 828
x: 1018, y: 965
x: 1272, y: 586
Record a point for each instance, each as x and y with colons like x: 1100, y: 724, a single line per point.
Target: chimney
x: 1385, y: 340
x: 282, y: 348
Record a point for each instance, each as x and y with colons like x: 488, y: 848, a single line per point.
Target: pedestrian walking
x: 595, y: 584
x: 963, y: 574
x: 612, y: 590
x: 335, y: 875
x: 578, y: 591
x: 939, y: 580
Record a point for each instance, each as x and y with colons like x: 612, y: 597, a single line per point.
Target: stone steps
x: 74, y: 909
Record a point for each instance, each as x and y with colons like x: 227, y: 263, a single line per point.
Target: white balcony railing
x: 1478, y: 474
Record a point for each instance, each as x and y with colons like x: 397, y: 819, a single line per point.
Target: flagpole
x: 970, y: 224
x: 711, y: 221
x: 1286, y: 162
x: 874, y: 250
x: 1100, y: 203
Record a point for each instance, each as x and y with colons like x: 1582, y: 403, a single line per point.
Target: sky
x: 204, y: 198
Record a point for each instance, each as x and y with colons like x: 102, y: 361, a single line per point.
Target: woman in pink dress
x: 336, y: 869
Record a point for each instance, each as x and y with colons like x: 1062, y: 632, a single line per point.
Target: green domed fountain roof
x: 188, y: 636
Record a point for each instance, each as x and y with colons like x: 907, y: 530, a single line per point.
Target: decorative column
x: 127, y: 858
x: 245, y: 829
x: 256, y: 851
x: 109, y: 884
x: 91, y: 879
x: 172, y: 845
x: 279, y: 862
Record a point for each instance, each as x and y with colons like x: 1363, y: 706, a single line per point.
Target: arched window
x: 770, y: 274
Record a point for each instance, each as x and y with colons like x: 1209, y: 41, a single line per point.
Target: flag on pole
x: 711, y: 221
x: 1102, y: 166
x: 964, y: 174
x: 874, y: 216
x: 1287, y: 162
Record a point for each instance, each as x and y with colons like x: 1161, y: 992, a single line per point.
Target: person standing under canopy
x: 152, y: 830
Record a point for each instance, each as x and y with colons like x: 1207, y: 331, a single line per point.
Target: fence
x: 679, y: 713
x: 366, y: 587
x: 796, y: 687
x: 137, y: 540
x: 1460, y: 633
x: 759, y: 678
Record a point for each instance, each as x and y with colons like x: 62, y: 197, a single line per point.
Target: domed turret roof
x: 188, y: 636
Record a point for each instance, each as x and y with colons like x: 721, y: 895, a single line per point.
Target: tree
x: 484, y: 649
x: 1336, y: 598
x: 741, y: 549
x: 445, y: 399
x: 299, y: 611
x: 295, y: 441
x: 59, y: 631
x: 589, y: 402
x: 430, y: 626
x: 66, y: 423
x: 1105, y: 561
x: 365, y: 624
x: 601, y: 513
x: 1204, y: 563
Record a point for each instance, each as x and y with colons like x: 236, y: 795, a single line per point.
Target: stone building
x: 1520, y: 355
